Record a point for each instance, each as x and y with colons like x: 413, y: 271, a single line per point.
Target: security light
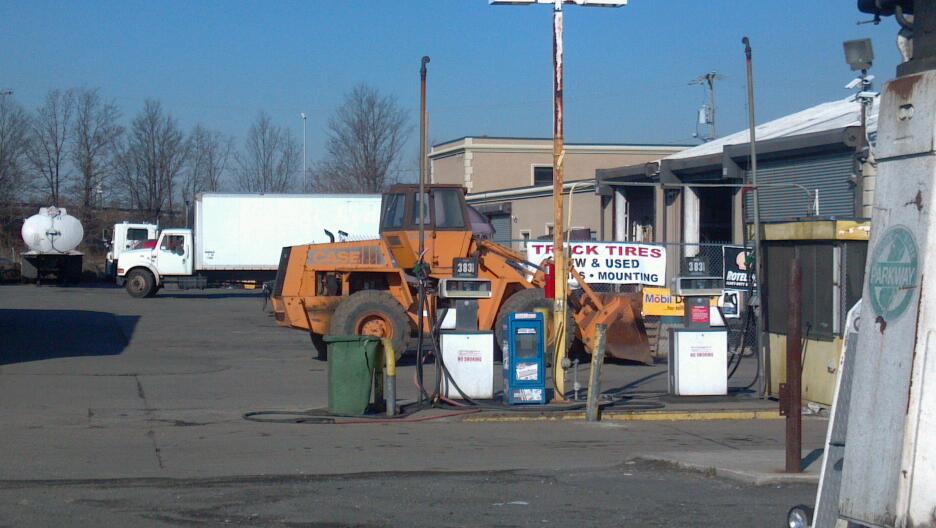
x: 859, y: 54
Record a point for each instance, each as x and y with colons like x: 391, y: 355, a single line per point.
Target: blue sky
x: 220, y: 63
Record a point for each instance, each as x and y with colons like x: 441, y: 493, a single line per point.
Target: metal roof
x: 567, y: 143
x: 824, y: 117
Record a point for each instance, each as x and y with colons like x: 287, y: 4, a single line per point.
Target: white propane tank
x: 53, y: 230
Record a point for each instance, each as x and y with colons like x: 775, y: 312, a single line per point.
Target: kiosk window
x: 525, y: 344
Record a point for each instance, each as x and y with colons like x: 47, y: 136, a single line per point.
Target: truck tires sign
x: 610, y: 262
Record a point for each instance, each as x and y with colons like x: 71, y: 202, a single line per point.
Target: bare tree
x: 14, y: 140
x: 365, y: 139
x: 151, y: 159
x: 47, y: 153
x: 94, y: 143
x: 209, y: 152
x: 270, y: 160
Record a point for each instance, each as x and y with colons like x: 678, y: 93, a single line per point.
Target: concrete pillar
x: 737, y: 217
x: 659, y: 214
x: 672, y: 230
x: 620, y: 214
x: 690, y: 220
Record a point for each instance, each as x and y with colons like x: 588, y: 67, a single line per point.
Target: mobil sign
x: 610, y: 262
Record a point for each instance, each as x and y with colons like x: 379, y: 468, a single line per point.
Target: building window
x: 549, y: 229
x: 542, y: 175
x: 525, y: 235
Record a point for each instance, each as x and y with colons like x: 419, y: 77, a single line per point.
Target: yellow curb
x: 651, y: 416
x: 635, y: 416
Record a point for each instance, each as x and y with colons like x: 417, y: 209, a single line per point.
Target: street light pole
x: 305, y: 174
x: 559, y: 257
x: 560, y: 306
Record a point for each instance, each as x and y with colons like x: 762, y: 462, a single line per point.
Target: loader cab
x: 447, y: 224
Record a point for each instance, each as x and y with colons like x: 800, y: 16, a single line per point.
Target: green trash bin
x: 352, y: 362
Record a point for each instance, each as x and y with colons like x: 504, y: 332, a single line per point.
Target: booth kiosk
x: 525, y: 359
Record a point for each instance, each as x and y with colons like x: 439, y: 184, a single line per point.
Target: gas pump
x: 698, y: 361
x: 468, y: 354
x: 525, y: 359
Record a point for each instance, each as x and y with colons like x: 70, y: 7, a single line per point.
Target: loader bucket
x: 627, y: 337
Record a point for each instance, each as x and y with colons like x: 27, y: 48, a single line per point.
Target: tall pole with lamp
x: 560, y: 306
x: 305, y: 174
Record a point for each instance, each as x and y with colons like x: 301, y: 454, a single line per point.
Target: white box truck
x: 239, y: 238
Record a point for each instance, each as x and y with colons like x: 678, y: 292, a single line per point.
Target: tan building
x: 510, y: 181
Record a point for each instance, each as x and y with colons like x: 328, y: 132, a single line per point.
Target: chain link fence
x: 739, y: 319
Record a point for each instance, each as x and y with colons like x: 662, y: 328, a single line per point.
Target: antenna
x: 707, y: 110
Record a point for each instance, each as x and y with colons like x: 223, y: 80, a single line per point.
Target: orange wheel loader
x: 369, y: 288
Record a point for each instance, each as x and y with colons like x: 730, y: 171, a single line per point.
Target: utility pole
x: 758, y: 247
x: 707, y: 112
x: 305, y: 174
x: 560, y: 306
x: 423, y: 134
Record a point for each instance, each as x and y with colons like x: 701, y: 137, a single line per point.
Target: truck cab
x: 144, y: 271
x: 124, y: 237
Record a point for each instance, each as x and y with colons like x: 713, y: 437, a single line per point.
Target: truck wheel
x: 141, y: 283
x: 373, y: 313
x: 529, y: 300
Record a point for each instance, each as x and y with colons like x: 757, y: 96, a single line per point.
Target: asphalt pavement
x: 120, y: 411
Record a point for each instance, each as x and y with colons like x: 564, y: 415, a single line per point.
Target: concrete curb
x: 630, y: 416
x: 754, y: 478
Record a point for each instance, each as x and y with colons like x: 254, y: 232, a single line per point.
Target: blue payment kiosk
x: 524, y: 362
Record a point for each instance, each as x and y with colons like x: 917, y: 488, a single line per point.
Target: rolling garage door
x: 829, y: 173
x: 502, y: 224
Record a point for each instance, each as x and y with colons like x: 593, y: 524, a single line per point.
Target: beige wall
x: 485, y: 165
x: 534, y: 214
x: 450, y: 169
x: 489, y: 164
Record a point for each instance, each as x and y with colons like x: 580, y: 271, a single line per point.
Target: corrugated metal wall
x: 829, y: 173
x: 502, y: 225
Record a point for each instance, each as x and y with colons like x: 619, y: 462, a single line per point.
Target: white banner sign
x: 610, y: 262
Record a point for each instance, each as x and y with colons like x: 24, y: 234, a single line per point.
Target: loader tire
x: 372, y: 312
x: 529, y: 300
x: 141, y: 283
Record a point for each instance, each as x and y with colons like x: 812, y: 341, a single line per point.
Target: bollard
x: 390, y: 384
x: 791, y: 391
x: 594, y: 374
